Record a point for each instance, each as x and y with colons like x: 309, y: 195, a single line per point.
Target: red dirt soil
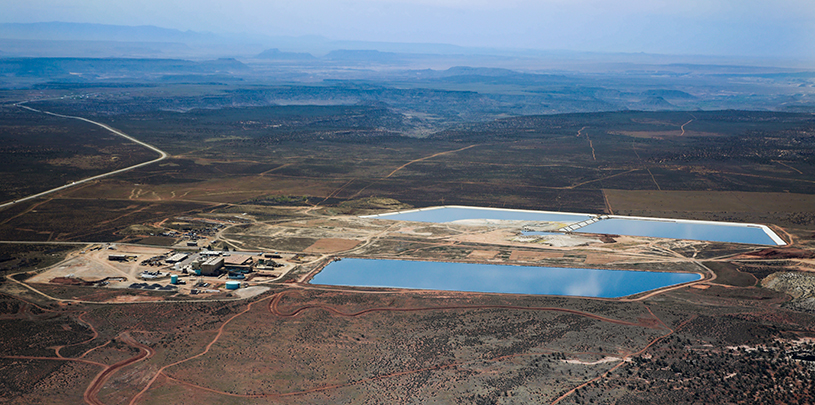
x: 790, y: 253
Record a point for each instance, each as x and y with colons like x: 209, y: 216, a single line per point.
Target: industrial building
x: 152, y: 275
x: 178, y: 257
x: 239, y: 263
x: 212, y: 266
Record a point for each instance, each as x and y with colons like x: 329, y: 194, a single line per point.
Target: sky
x: 757, y: 28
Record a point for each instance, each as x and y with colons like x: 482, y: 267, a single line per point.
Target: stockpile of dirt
x: 70, y: 281
x: 801, y: 286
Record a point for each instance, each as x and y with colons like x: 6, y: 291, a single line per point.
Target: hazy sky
x: 722, y: 27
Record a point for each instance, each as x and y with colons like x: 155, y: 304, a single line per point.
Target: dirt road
x: 162, y: 155
x: 92, y: 392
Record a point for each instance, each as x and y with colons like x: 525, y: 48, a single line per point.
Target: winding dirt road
x: 625, y: 360
x: 205, y: 351
x: 683, y: 127
x: 92, y: 392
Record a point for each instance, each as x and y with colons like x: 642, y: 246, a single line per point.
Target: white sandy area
x: 95, y: 266
x: 591, y: 363
x: 249, y: 292
x: 79, y: 267
x: 557, y: 240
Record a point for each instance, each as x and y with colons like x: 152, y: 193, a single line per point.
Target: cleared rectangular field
x: 716, y: 201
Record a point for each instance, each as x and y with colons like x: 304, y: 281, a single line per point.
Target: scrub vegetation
x: 289, y: 178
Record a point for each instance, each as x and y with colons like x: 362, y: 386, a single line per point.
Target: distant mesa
x: 655, y: 103
x: 277, y: 54
x: 226, y: 64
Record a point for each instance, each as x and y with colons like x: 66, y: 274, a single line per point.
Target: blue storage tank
x: 233, y: 285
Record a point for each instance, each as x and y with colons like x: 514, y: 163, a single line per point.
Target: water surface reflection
x: 682, y: 230
x: 495, y: 278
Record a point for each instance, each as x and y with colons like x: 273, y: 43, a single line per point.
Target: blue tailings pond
x: 614, y: 224
x: 697, y: 230
x: 493, y: 278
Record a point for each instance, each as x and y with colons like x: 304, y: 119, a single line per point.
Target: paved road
x: 50, y: 242
x: 163, y: 155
